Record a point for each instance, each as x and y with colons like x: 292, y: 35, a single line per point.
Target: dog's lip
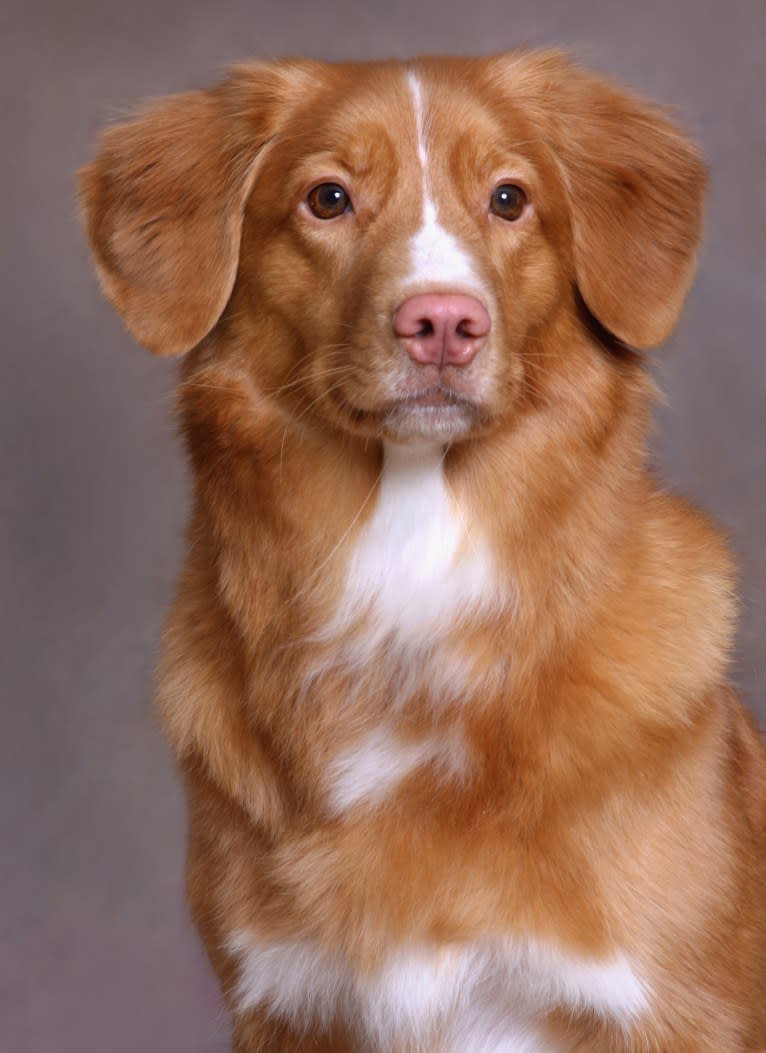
x: 436, y: 395
x: 436, y: 409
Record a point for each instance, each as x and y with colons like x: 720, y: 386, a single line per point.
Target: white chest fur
x: 419, y: 566
x: 485, y: 997
x: 370, y: 770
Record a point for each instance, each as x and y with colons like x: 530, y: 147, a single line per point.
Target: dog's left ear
x: 164, y: 201
x: 635, y: 185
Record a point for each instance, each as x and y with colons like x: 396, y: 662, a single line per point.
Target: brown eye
x: 508, y: 201
x: 328, y: 200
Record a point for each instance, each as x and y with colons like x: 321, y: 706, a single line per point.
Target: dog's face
x: 418, y: 248
x: 390, y: 246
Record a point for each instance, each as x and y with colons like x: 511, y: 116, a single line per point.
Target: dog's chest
x: 482, y: 997
x: 418, y: 566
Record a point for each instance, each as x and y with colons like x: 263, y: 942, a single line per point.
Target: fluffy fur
x: 446, y: 672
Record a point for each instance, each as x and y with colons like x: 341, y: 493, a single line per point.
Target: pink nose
x: 441, y: 328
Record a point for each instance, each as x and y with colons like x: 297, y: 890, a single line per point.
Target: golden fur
x: 614, y: 793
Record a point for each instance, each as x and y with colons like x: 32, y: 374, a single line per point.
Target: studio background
x: 96, y: 952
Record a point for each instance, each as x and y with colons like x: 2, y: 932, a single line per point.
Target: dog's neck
x: 510, y: 542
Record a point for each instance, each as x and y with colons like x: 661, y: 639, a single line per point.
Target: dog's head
x: 393, y: 243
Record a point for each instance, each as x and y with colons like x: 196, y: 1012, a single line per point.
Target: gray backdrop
x: 96, y: 953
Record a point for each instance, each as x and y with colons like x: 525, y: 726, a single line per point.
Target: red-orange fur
x: 618, y: 790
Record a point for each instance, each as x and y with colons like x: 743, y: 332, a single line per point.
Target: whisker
x: 300, y: 381
x: 298, y: 419
x: 336, y: 547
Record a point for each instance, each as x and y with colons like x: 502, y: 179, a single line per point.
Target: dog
x: 445, y: 675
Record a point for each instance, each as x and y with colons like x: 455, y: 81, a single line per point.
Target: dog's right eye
x: 328, y: 200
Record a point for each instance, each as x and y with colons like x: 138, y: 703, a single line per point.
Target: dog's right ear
x: 164, y: 201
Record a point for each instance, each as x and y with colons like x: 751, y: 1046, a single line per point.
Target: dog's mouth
x: 435, y: 412
x: 433, y: 397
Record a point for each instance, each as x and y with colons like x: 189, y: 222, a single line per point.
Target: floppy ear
x: 165, y: 197
x: 635, y: 185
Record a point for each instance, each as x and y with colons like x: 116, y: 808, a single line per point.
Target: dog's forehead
x: 362, y: 112
x: 351, y: 100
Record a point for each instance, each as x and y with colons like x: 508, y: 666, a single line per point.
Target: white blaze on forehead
x: 436, y: 256
x: 417, y: 102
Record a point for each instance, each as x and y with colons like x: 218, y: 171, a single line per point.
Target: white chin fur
x: 436, y: 423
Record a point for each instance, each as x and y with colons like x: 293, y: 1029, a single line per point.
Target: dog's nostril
x: 441, y: 329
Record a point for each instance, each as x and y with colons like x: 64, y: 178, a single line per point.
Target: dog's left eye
x: 508, y: 201
x: 328, y: 200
